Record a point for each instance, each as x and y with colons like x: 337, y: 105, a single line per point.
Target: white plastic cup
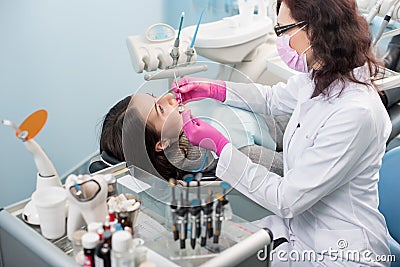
x: 50, y: 203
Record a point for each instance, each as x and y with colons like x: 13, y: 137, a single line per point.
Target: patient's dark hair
x: 111, y: 141
x: 340, y: 40
x: 111, y: 131
x: 159, y: 159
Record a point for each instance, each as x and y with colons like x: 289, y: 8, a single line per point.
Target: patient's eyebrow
x: 155, y: 107
x: 155, y: 103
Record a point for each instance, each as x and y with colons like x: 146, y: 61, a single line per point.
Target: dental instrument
x: 195, y: 229
x: 47, y: 174
x: 207, y: 227
x: 175, y: 50
x: 190, y: 50
x: 174, y: 207
x: 179, y: 93
x: 179, y: 71
x: 198, y: 177
x: 182, y: 223
x: 187, y: 178
x: 219, y: 216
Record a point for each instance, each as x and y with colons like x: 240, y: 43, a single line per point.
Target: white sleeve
x: 279, y: 99
x: 324, y: 167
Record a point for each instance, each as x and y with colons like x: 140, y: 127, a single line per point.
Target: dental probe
x: 174, y: 207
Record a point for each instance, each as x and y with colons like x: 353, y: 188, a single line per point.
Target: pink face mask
x: 289, y: 55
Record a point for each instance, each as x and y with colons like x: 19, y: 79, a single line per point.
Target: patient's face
x: 162, y: 113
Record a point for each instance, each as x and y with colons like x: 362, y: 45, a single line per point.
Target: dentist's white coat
x: 328, y: 197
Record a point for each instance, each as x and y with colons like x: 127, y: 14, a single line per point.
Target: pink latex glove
x: 202, y: 134
x: 193, y: 88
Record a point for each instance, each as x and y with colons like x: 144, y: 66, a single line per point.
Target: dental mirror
x: 33, y: 124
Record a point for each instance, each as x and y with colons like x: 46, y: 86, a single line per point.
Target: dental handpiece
x: 186, y: 202
x: 195, y: 211
x: 219, y: 216
x: 182, y: 225
x: 175, y: 50
x: 198, y: 177
x: 207, y: 227
x: 174, y: 207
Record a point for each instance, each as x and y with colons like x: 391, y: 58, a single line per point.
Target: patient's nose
x: 171, y: 100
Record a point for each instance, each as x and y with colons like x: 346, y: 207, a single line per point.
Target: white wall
x: 70, y: 58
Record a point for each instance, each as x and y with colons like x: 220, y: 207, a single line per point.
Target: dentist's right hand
x: 194, y: 88
x: 202, y: 134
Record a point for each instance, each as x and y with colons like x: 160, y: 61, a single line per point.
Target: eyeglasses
x: 279, y: 30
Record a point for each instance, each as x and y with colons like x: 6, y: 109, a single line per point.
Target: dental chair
x: 389, y: 186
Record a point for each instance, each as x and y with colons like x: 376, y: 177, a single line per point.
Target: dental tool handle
x: 219, y: 216
x: 175, y: 53
x: 210, y: 228
x: 217, y: 231
x: 204, y: 233
x: 174, y: 226
x: 182, y: 231
x: 198, y: 226
x: 43, y: 164
x: 189, y: 54
x: 193, y: 232
x: 186, y: 224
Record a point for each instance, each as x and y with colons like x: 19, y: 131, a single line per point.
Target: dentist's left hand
x: 193, y: 88
x: 202, y: 134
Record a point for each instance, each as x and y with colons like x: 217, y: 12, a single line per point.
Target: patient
x: 146, y: 131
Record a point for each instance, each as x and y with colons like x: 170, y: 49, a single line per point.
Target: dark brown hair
x: 340, y: 40
x: 111, y: 131
x: 111, y: 141
x: 158, y: 158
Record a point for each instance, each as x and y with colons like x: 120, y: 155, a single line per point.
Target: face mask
x: 289, y: 55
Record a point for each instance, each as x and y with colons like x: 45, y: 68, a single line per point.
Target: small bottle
x: 100, y: 232
x: 121, y: 253
x: 107, y: 225
x: 89, y: 243
x: 111, y: 213
x: 102, y: 255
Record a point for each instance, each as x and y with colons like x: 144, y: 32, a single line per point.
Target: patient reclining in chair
x: 146, y: 131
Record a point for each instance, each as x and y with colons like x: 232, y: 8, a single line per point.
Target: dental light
x: 47, y: 174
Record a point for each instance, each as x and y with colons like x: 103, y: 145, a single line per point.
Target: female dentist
x: 326, y: 203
